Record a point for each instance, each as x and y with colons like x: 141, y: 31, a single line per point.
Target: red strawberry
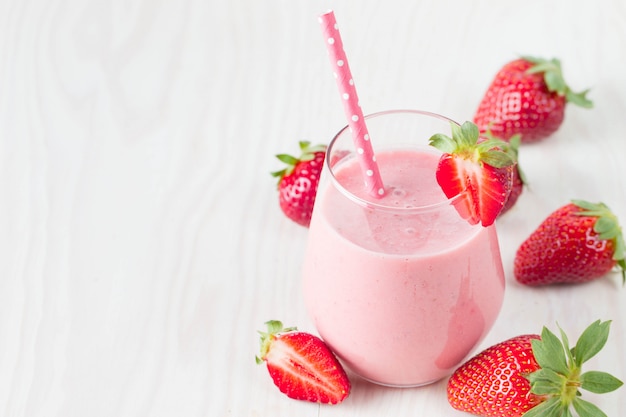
x: 527, y: 96
x: 578, y: 242
x: 482, y: 169
x: 532, y: 375
x: 302, y: 366
x: 297, y: 183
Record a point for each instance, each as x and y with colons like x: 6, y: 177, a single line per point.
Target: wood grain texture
x: 141, y: 244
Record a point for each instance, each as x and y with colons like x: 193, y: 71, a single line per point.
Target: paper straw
x: 352, y: 109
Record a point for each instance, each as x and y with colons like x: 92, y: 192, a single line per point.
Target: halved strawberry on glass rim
x: 480, y: 170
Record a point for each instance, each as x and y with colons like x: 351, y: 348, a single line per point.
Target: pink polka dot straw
x: 352, y: 109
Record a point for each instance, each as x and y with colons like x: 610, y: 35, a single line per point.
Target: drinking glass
x: 400, y: 287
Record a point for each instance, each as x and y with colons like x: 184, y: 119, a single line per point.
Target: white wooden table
x: 141, y: 243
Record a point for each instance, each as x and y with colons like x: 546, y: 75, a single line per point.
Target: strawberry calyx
x: 274, y: 328
x: 476, y: 168
x: 464, y: 144
x: 560, y: 376
x: 302, y: 366
x: 553, y: 77
x: 307, y: 153
x: 608, y: 228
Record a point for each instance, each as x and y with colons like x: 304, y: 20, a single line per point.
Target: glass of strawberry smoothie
x: 401, y: 288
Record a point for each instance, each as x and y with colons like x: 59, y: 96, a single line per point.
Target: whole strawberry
x: 480, y: 171
x: 533, y: 376
x: 527, y: 96
x: 302, y: 366
x: 578, y: 242
x: 297, y: 183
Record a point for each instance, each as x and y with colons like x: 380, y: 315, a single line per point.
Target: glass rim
x: 373, y: 204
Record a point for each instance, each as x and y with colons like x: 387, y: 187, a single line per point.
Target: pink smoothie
x: 401, y: 296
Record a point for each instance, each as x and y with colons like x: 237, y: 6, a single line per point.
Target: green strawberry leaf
x: 274, y: 326
x: 496, y: 159
x: 442, y: 142
x: 549, y: 352
x: 587, y: 409
x: 288, y: 159
x: 491, y: 143
x: 494, y: 152
x: 590, y: 209
x: 550, y: 407
x: 542, y: 65
x: 568, y: 351
x: 279, y: 174
x: 555, y: 82
x: 606, y: 227
x: 579, y: 99
x: 546, y: 382
x: 599, y: 382
x: 469, y: 133
x: 591, y: 341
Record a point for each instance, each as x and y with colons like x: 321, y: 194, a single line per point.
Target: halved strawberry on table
x: 533, y: 375
x: 578, y: 242
x: 298, y: 181
x: 302, y: 366
x: 527, y: 96
x: 481, y: 171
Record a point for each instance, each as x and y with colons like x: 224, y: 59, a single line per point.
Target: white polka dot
x: 369, y: 172
x: 381, y: 191
x: 374, y: 158
x: 331, y: 41
x: 346, y: 96
x: 366, y: 137
x: 340, y: 63
x: 360, y: 151
x: 355, y: 118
